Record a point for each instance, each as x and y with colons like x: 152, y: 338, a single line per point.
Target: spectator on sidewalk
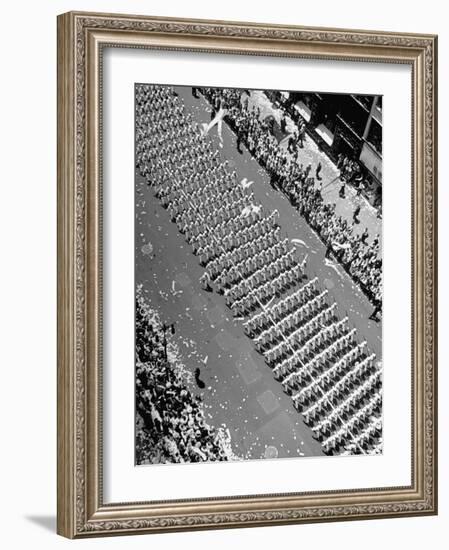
x: 340, y: 161
x: 292, y: 141
x: 283, y: 125
x: 329, y: 249
x: 364, y: 235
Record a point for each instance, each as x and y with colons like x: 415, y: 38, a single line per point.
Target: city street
x: 240, y: 390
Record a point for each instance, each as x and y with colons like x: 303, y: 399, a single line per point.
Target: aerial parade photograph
x: 258, y: 274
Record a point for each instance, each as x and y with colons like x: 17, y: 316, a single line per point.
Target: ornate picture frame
x: 82, y: 511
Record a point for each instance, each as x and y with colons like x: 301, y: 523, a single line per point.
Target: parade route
x: 239, y: 388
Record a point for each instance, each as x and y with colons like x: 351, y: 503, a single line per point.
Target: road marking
x: 198, y: 302
x: 183, y: 279
x: 216, y: 315
x: 248, y: 369
x: 225, y: 340
x: 268, y: 401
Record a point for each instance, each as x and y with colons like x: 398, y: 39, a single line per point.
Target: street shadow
x: 46, y: 522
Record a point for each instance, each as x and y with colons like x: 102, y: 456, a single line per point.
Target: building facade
x: 343, y: 124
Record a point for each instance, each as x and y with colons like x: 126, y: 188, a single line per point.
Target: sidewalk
x: 330, y: 183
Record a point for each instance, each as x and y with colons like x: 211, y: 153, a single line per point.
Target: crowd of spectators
x: 170, y: 419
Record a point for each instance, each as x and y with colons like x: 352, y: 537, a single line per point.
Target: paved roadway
x: 240, y: 391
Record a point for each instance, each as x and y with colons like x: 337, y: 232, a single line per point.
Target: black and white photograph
x: 258, y: 274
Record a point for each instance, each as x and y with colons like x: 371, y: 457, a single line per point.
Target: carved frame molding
x: 81, y: 37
